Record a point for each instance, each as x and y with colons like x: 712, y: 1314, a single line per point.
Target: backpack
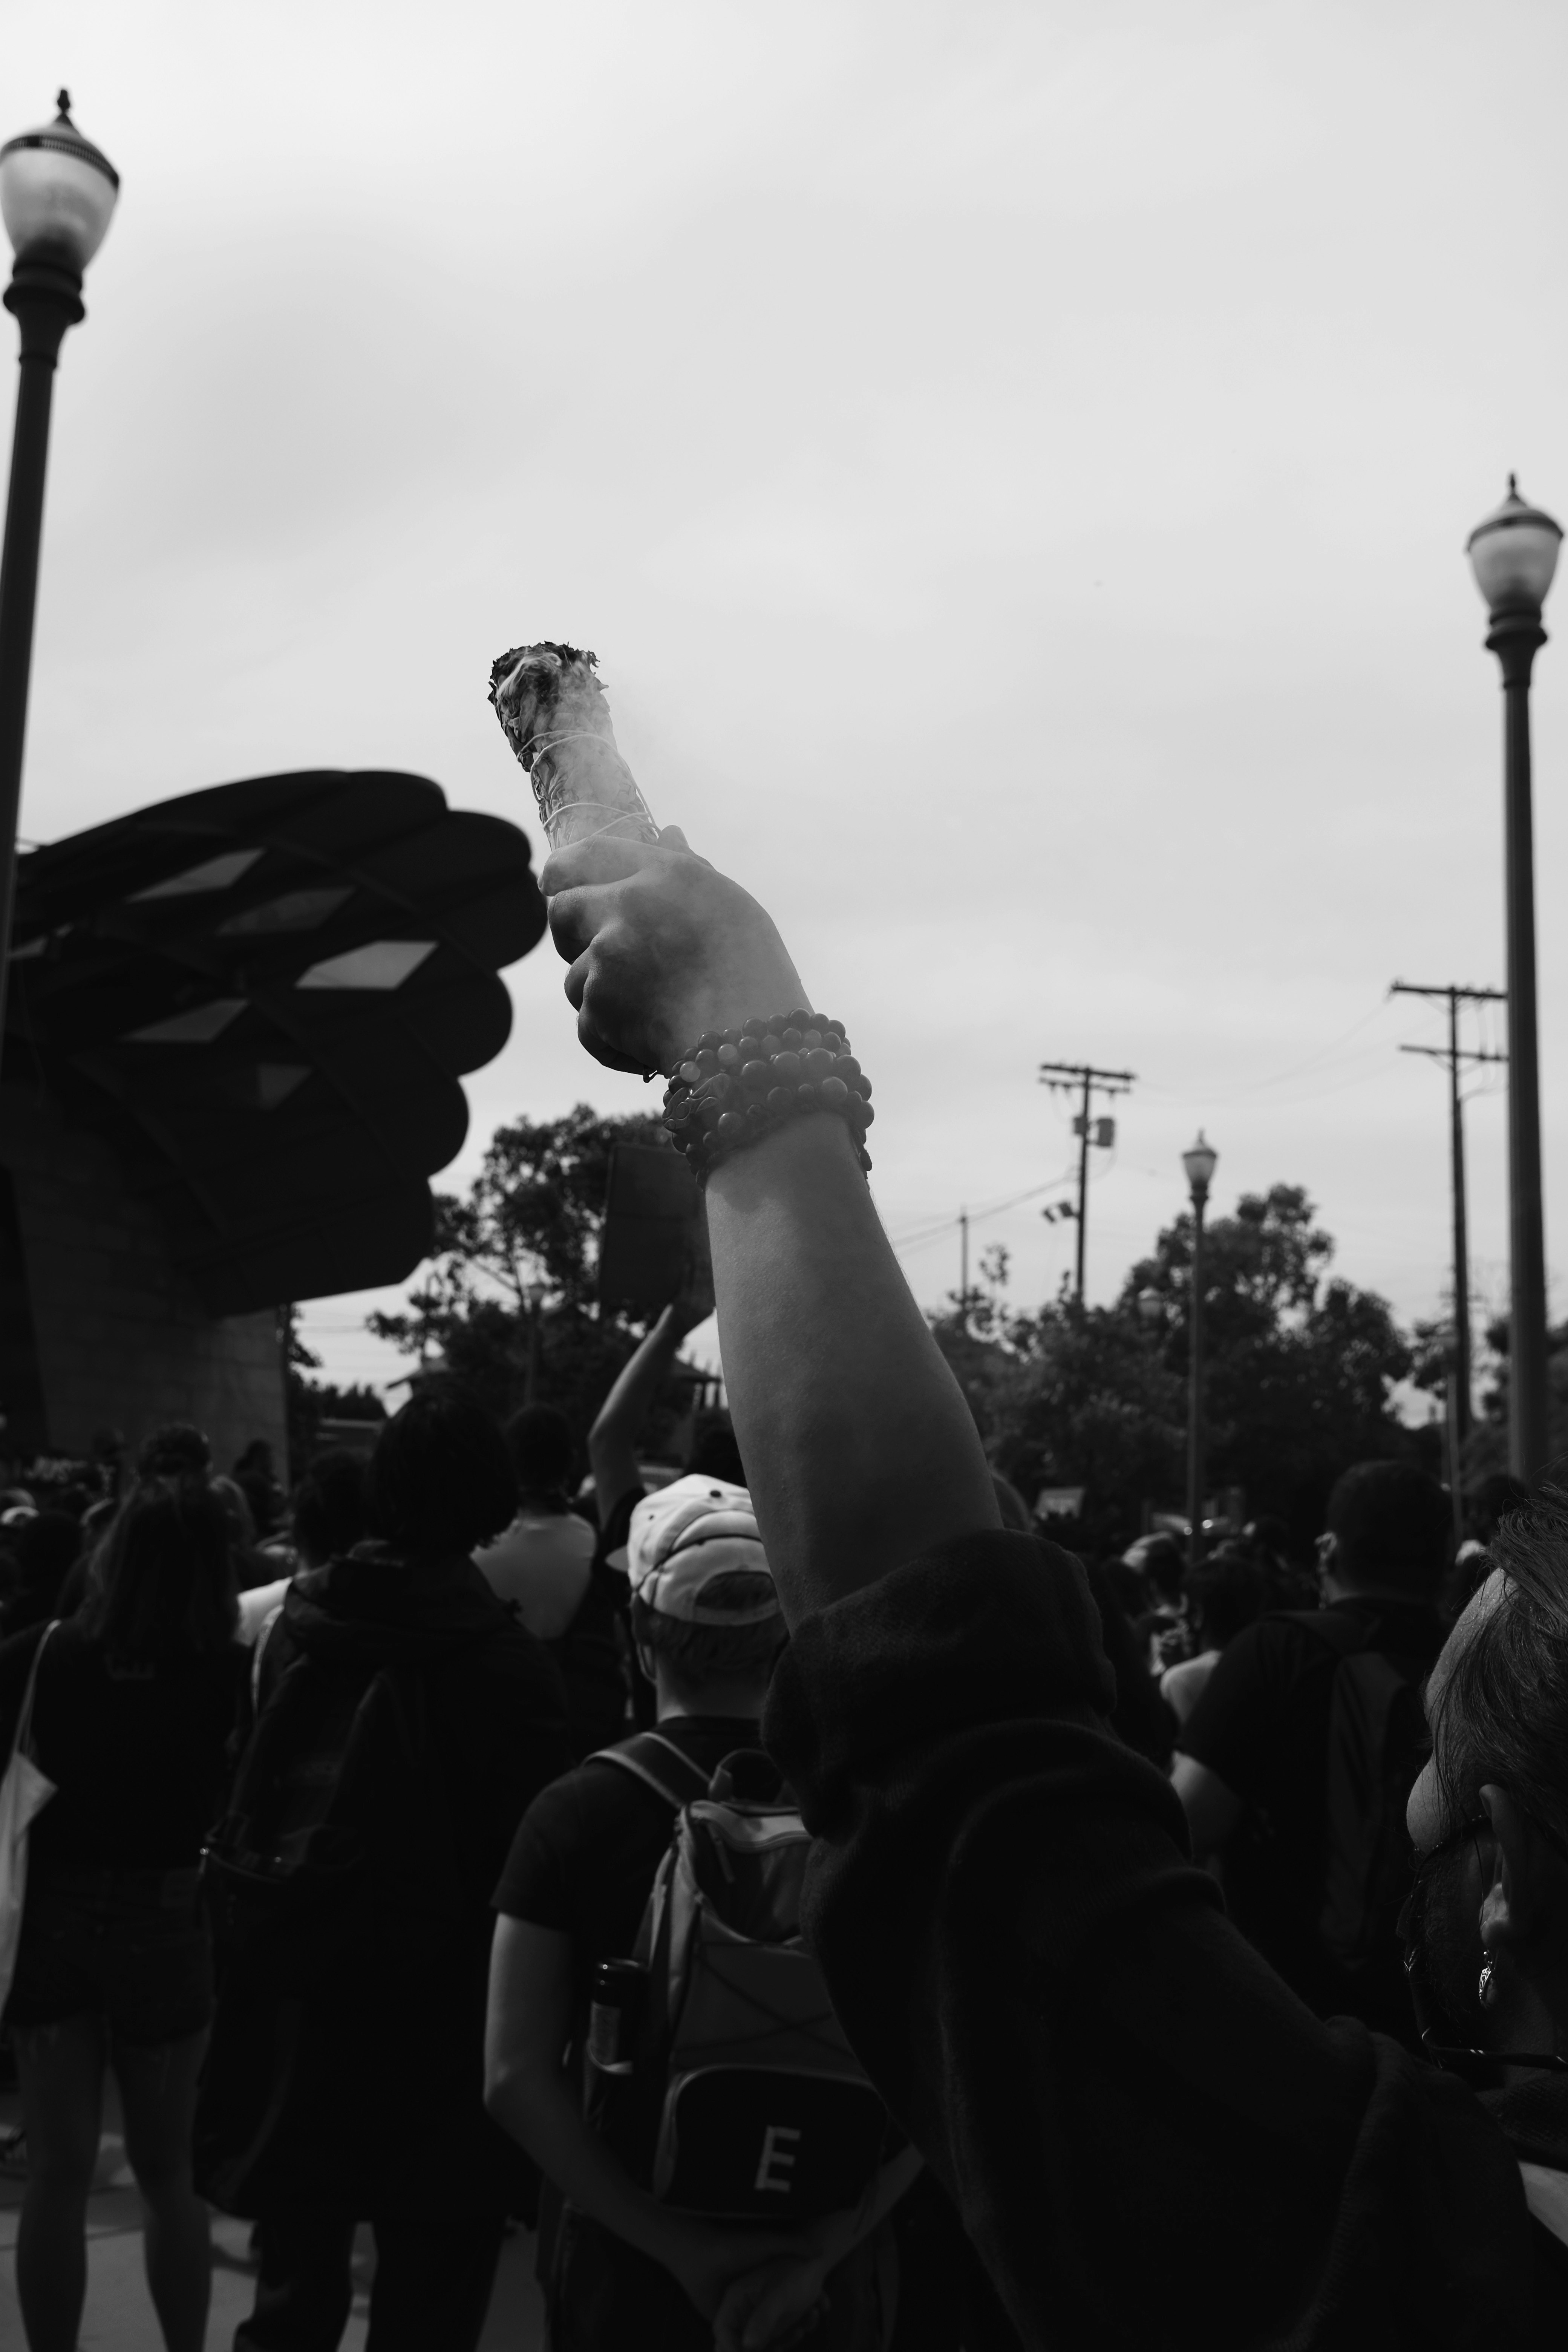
x: 743, y: 2100
x: 1377, y: 1733
x: 333, y: 1891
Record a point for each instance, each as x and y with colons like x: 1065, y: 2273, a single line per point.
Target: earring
x: 1486, y: 1990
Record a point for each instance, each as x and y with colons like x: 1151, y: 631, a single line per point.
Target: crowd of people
x: 823, y: 1909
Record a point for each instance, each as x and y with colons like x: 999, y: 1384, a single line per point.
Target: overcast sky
x: 1013, y: 462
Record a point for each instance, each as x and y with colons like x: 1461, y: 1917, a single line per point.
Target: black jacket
x: 1151, y: 2141
x: 379, y: 2061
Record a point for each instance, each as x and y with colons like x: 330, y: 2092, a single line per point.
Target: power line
x: 1109, y: 1083
x: 1453, y: 1056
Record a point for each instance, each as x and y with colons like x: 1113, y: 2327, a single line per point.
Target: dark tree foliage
x: 1487, y: 1450
x: 1301, y: 1365
x: 512, y: 1286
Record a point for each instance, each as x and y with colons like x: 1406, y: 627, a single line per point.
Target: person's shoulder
x: 1280, y: 1644
x: 594, y: 1801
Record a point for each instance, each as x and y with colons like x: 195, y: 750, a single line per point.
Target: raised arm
x: 858, y: 1446
x: 613, y: 1439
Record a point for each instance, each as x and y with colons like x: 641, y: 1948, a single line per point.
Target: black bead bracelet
x: 737, y: 1085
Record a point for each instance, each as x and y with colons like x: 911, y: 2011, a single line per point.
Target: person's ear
x: 1525, y: 1877
x: 644, y: 1660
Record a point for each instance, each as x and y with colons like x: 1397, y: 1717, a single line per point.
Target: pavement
x: 119, y: 2316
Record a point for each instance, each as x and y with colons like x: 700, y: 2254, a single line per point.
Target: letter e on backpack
x: 744, y: 2101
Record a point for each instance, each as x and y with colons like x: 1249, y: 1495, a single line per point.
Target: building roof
x: 263, y: 997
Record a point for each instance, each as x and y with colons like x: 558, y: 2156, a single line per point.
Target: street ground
x: 119, y: 2316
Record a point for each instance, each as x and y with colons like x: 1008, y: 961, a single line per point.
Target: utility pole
x: 1454, y: 1057
x: 1068, y: 1074
x: 963, y: 1261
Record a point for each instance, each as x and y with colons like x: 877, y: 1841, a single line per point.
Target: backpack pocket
x: 754, y: 2144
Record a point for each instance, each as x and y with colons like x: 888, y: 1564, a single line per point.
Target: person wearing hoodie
x: 384, y: 2119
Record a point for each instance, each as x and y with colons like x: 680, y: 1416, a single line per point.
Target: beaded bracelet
x: 737, y: 1085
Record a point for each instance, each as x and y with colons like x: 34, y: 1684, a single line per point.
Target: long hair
x: 161, y: 1583
x: 1503, y: 1712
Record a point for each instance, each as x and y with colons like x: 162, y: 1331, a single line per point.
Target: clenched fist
x: 661, y: 946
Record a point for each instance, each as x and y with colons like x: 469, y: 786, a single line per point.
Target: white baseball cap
x: 685, y: 1535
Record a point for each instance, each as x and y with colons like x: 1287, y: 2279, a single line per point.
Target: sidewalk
x: 119, y: 2316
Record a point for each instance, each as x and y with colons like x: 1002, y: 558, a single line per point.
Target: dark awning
x: 263, y: 996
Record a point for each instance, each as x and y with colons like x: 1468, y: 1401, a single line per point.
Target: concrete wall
x: 121, y: 1338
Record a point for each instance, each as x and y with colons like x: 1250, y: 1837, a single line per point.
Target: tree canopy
x: 1301, y: 1367
x: 512, y: 1280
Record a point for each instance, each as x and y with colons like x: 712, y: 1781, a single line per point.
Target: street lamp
x: 1513, y: 554
x: 1200, y: 1163
x: 1151, y: 1306
x: 57, y: 194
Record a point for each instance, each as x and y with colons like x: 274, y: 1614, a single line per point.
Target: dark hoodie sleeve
x: 1102, y: 2072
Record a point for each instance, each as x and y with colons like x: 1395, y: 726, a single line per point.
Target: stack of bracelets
x: 737, y: 1085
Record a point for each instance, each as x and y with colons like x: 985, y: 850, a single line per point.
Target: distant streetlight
x: 57, y: 194
x: 1513, y: 554
x: 1151, y: 1306
x: 1200, y: 1163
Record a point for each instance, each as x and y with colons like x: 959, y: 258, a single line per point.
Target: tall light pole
x: 1200, y: 1163
x: 57, y: 193
x: 1513, y: 554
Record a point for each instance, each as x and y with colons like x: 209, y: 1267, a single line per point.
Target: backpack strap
x: 648, y: 1757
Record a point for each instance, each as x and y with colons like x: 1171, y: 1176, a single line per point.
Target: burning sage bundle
x: 552, y: 706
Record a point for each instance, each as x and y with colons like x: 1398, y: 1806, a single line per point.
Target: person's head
x: 161, y: 1581
x: 1388, y: 1528
x: 714, y: 1453
x: 539, y: 1440
x: 256, y: 1462
x: 1267, y: 1540
x: 1488, y: 1814
x: 1157, y: 1559
x: 440, y: 1479
x: 176, y: 1450
x: 1224, y: 1594
x: 330, y: 1515
x: 705, y: 1613
x: 235, y: 1504
x: 1490, y: 1504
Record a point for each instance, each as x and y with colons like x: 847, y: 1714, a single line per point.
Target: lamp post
x: 57, y: 193
x: 1513, y: 554
x: 1200, y: 1163
x: 1151, y: 1306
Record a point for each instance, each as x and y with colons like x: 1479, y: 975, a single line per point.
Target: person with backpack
x: 1097, y: 2065
x: 1296, y: 1760
x: 601, y: 1976
x: 404, y: 1722
x: 135, y: 1700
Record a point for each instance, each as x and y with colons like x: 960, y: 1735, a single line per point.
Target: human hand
x: 661, y: 946
x: 778, y: 2305
x: 707, y: 2258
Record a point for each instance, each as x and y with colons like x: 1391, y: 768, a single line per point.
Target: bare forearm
x: 859, y: 1449
x: 612, y: 1441
x: 542, y: 2115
